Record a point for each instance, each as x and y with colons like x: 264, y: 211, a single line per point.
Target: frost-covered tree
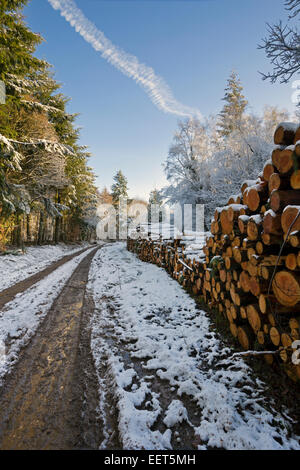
x: 272, y: 116
x: 187, y: 166
x: 235, y: 104
x: 216, y: 167
x: 282, y: 45
x: 241, y: 156
x: 155, y: 198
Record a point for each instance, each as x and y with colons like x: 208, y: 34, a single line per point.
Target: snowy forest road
x: 42, y: 401
x: 108, y: 352
x: 8, y: 294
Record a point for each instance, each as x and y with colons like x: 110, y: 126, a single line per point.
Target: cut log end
x: 286, y: 288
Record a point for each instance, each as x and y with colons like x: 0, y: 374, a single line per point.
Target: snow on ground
x: 16, y: 268
x: 171, y: 377
x: 21, y: 317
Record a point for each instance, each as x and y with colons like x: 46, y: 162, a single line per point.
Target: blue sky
x: 193, y: 45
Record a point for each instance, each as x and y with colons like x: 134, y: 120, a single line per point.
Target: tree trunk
x: 41, y: 231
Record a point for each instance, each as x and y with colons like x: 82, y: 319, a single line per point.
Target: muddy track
x: 183, y: 437
x: 50, y: 399
x: 8, y: 294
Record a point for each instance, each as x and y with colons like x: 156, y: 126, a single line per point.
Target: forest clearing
x: 164, y: 314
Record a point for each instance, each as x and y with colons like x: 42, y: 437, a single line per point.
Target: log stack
x: 251, y: 269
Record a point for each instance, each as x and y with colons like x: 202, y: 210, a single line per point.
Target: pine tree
x: 231, y: 115
x: 17, y: 62
x: 17, y: 42
x: 154, y: 205
x: 155, y: 197
x: 105, y: 196
x: 119, y: 189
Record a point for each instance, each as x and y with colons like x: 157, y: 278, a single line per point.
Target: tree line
x: 47, y: 189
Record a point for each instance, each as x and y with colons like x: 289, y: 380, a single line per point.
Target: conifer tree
x: 154, y: 205
x: 105, y: 196
x: 231, y: 115
x: 119, y: 189
x: 17, y: 42
x: 155, y: 197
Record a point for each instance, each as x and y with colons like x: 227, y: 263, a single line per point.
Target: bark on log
x: 280, y: 199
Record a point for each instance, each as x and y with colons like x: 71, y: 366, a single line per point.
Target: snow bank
x: 15, y: 268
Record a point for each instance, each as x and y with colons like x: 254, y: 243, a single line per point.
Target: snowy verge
x: 16, y: 268
x: 22, y: 316
x: 149, y: 332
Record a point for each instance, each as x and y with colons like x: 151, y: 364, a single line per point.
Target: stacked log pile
x: 251, y: 269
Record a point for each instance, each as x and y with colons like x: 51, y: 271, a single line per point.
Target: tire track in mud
x: 50, y: 399
x: 9, y: 294
x: 183, y: 436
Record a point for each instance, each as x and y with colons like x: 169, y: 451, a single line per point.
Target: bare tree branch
x: 293, y: 6
x: 282, y: 47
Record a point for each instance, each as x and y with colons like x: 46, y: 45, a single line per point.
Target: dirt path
x: 8, y: 294
x: 183, y: 435
x: 49, y: 401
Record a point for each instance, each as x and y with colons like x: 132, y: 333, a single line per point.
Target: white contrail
x: 158, y: 91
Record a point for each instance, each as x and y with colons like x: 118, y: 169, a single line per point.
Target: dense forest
x: 47, y: 189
